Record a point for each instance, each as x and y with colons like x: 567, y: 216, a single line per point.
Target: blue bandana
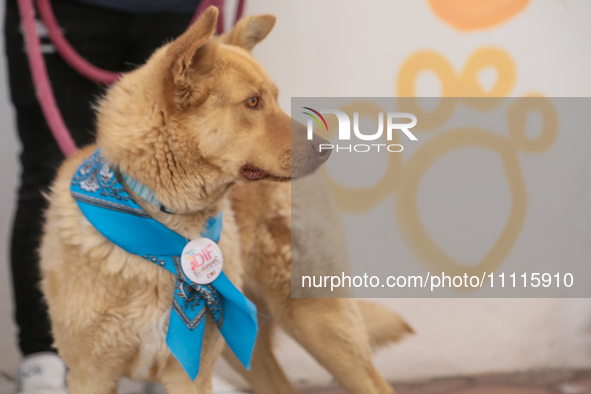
x: 106, y: 204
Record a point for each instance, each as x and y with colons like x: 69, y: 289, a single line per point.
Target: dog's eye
x: 252, y: 102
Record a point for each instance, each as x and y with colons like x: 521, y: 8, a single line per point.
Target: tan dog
x: 199, y: 117
x: 339, y: 332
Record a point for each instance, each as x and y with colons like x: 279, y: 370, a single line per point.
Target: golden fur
x: 339, y: 332
x: 181, y: 126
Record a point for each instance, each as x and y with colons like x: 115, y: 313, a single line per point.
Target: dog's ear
x: 250, y: 31
x: 188, y: 58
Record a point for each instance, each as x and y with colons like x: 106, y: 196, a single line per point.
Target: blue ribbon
x: 109, y: 208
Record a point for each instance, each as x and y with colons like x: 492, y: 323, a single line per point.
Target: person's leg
x: 103, y: 37
x: 94, y: 34
x: 31, y: 312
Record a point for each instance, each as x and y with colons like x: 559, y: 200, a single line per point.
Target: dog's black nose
x: 322, y: 148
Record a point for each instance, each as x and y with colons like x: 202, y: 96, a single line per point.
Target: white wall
x: 354, y: 48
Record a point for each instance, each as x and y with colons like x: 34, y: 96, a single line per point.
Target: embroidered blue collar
x: 143, y: 191
x: 109, y: 208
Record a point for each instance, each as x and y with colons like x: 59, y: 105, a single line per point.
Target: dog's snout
x: 307, y: 154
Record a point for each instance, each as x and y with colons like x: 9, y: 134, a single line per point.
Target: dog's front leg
x: 332, y: 330
x: 175, y: 379
x: 80, y: 382
x: 266, y: 375
x: 93, y: 374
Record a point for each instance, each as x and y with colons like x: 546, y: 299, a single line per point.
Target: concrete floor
x: 537, y: 382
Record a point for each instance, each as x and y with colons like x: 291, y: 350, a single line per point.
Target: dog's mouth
x: 253, y: 173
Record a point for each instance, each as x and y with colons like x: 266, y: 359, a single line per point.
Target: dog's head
x: 202, y: 114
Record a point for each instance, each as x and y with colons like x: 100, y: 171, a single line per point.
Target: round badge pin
x: 202, y: 261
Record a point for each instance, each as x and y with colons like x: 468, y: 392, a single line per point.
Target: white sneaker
x: 42, y: 373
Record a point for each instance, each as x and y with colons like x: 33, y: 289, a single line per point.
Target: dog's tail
x: 383, y: 325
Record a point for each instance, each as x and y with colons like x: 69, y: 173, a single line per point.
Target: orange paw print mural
x: 403, y: 176
x: 464, y: 87
x: 464, y: 84
x: 467, y: 15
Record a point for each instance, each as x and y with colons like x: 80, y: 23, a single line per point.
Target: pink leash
x: 68, y: 53
x: 41, y: 81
